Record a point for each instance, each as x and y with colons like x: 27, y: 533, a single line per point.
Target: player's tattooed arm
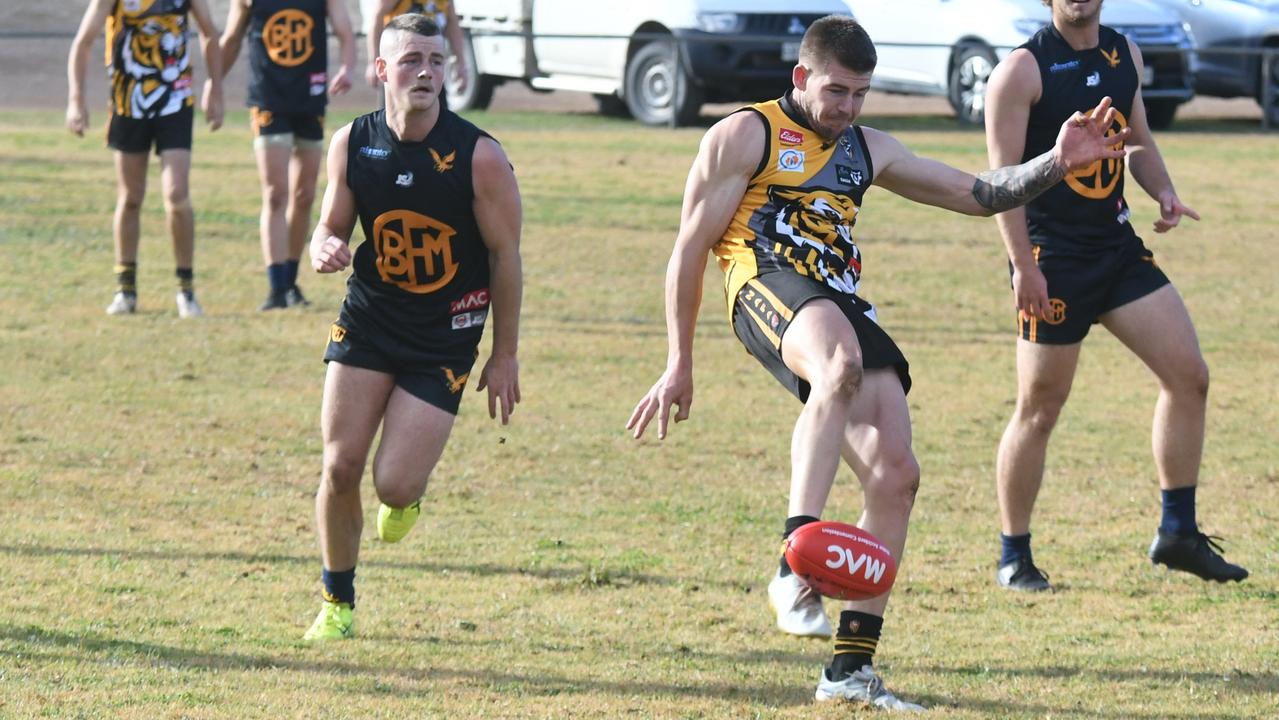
x: 1008, y: 187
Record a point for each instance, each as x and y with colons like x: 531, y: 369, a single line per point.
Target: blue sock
x: 1015, y: 547
x: 1179, y: 512
x: 339, y: 585
x: 292, y: 266
x: 278, y: 275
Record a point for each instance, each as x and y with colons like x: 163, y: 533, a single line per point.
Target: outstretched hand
x: 674, y: 388
x: 1170, y: 211
x: 1086, y: 138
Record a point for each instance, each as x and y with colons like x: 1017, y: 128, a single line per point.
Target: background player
x: 152, y: 94
x: 442, y: 12
x: 288, y: 73
x: 1075, y: 261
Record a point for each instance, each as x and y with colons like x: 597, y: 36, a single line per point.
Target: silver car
x: 949, y: 47
x: 1233, y: 26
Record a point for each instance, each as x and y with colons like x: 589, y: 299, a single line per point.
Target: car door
x: 902, y: 30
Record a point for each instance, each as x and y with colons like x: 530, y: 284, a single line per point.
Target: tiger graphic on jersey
x: 148, y: 59
x: 813, y: 230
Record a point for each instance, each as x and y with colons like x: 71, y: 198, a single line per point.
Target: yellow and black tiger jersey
x: 800, y: 207
x: 147, y: 58
x: 437, y: 10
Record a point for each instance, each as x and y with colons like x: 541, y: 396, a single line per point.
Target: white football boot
x: 863, y: 686
x: 188, y: 307
x: 123, y: 304
x: 798, y: 607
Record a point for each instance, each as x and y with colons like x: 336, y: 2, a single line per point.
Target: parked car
x: 1234, y: 25
x: 949, y: 47
x: 657, y: 61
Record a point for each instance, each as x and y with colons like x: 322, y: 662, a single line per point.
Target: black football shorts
x: 1086, y: 282
x: 766, y: 305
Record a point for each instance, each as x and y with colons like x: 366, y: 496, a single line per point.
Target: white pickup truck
x: 657, y: 60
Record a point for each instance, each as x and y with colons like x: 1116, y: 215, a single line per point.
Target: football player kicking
x: 774, y: 193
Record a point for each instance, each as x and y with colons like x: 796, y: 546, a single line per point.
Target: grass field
x: 157, y: 546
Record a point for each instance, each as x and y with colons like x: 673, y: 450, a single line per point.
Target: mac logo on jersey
x: 414, y: 252
x: 1093, y: 80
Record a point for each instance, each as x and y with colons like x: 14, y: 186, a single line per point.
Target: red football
x: 841, y: 561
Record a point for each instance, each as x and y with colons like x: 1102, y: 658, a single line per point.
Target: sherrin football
x: 841, y: 561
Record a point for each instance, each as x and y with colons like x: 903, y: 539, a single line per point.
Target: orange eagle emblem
x: 445, y: 163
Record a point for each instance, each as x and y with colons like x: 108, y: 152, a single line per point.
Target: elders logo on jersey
x: 786, y: 136
x: 287, y: 37
x: 414, y: 252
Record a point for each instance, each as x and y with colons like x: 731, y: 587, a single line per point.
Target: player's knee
x: 303, y: 196
x: 839, y: 376
x: 896, y: 482
x: 1192, y: 380
x: 1038, y: 413
x: 129, y: 200
x: 342, y: 472
x: 177, y: 199
x: 275, y: 198
x: 399, y: 494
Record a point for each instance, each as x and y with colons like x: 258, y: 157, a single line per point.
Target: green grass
x: 159, y: 558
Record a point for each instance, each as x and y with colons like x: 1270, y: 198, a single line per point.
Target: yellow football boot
x: 335, y: 622
x: 394, y: 523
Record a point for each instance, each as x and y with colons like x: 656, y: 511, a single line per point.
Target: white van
x: 657, y: 61
x: 949, y: 47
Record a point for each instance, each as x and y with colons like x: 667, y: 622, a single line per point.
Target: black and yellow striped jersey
x: 147, y: 58
x: 437, y: 10
x: 288, y: 56
x: 800, y: 206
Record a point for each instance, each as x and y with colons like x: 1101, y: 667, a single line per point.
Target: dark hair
x: 414, y: 23
x: 839, y: 38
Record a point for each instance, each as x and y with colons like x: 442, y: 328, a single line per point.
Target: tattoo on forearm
x: 1010, y: 187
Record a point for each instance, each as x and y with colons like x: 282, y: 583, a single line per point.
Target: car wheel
x: 969, y: 73
x: 658, y: 90
x: 1159, y: 113
x: 1270, y: 104
x: 611, y: 105
x: 479, y: 91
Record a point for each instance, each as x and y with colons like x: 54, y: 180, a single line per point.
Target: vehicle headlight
x: 1028, y: 26
x: 721, y: 22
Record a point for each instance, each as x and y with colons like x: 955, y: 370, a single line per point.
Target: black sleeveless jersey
x: 423, y: 263
x: 288, y: 56
x: 1088, y: 207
